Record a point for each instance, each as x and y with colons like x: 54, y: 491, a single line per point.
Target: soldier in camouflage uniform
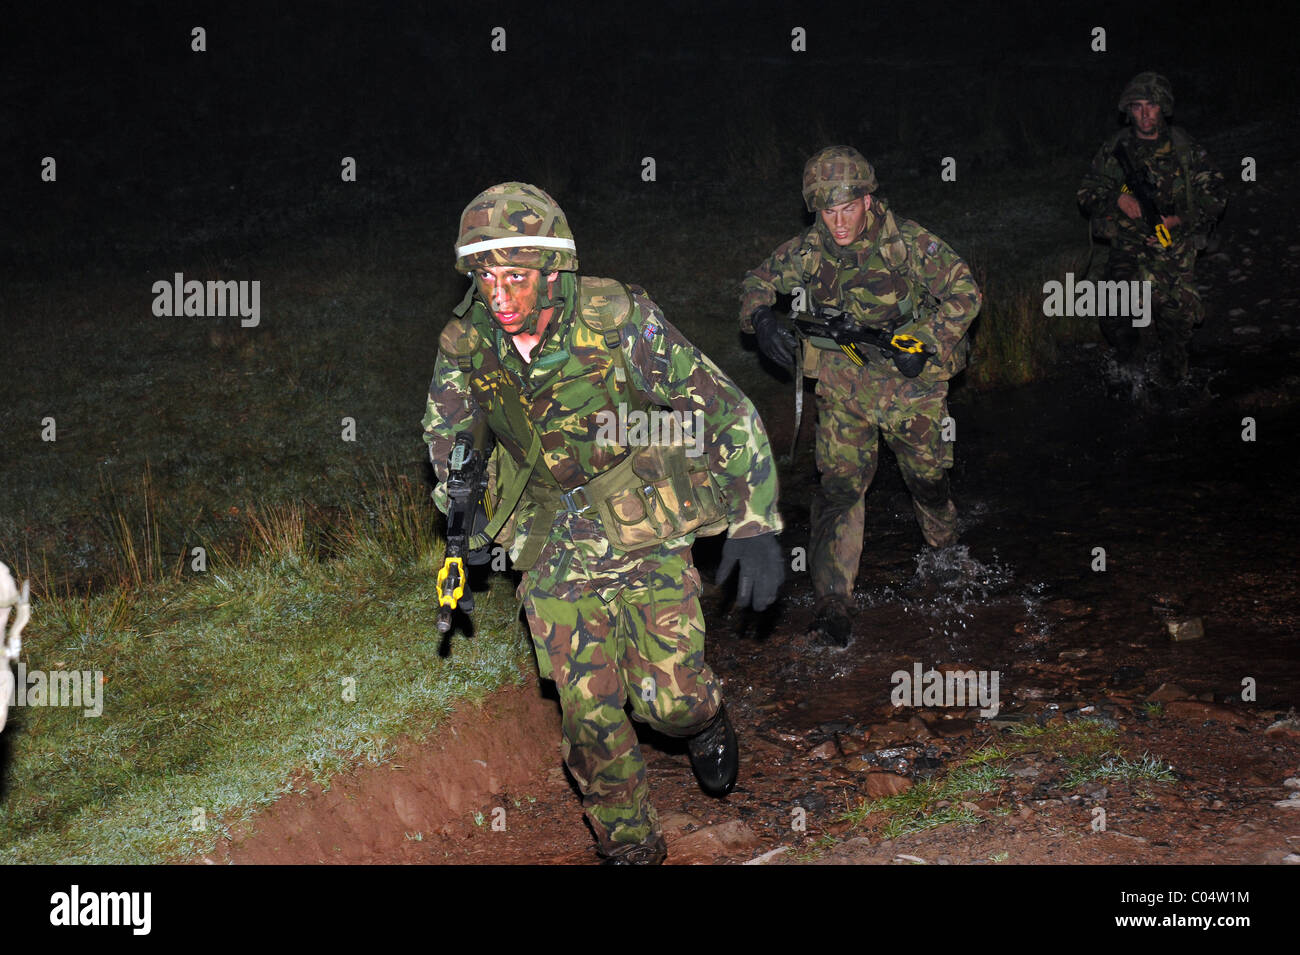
x: 886, y: 273
x: 1190, y: 197
x: 605, y: 519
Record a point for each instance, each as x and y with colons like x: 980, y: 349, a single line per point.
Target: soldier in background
x: 1189, y: 195
x: 889, y: 274
x: 604, y: 520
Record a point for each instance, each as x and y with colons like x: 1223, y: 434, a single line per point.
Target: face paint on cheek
x: 512, y: 297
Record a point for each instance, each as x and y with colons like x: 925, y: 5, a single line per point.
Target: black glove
x: 909, y: 363
x: 762, y: 570
x: 774, y: 339
x: 481, y: 555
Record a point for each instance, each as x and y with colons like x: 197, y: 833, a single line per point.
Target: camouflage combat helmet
x: 1151, y: 87
x: 515, y: 224
x: 836, y: 174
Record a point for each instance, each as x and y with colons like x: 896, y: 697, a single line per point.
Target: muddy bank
x: 397, y: 812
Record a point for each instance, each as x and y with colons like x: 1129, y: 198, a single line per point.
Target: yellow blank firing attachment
x: 1162, y: 233
x: 449, y: 596
x: 908, y: 343
x: 852, y: 351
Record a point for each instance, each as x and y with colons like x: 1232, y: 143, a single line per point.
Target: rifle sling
x: 509, y: 498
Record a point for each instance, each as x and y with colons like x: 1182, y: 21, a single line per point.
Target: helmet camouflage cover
x: 1151, y: 87
x: 836, y: 174
x: 515, y: 223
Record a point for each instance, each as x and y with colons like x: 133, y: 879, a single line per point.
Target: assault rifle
x: 1137, y: 183
x: 467, y: 482
x: 828, y: 327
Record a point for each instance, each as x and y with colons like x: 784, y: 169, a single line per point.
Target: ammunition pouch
x: 811, y: 348
x: 812, y: 361
x: 673, y: 495
x: 655, y: 494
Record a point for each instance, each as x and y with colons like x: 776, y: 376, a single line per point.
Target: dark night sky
x: 153, y: 138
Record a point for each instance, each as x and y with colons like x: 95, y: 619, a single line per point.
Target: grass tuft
x: 1088, y: 748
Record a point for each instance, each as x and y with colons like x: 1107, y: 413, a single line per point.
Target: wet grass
x: 1122, y: 769
x: 813, y: 850
x: 202, y: 415
x: 934, y: 803
x: 1081, y: 740
x: 227, y: 689
x: 1088, y: 748
x: 1013, y: 342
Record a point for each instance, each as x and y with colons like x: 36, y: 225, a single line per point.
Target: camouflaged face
x: 1151, y: 87
x: 869, y: 279
x: 836, y: 174
x: 509, y: 210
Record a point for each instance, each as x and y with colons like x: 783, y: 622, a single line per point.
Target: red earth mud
x: 395, y: 812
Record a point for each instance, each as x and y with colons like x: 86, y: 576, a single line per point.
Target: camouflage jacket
x: 572, y: 379
x: 870, y: 279
x: 1195, y: 192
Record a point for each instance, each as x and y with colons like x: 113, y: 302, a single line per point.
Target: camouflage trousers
x: 638, y: 643
x: 1176, y: 308
x: 854, y: 405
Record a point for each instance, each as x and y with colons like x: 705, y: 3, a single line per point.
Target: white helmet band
x: 515, y: 242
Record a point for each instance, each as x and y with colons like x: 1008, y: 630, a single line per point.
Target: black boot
x: 1173, y: 366
x: 651, y: 852
x: 715, y: 755
x: 1122, y: 337
x: 834, y: 621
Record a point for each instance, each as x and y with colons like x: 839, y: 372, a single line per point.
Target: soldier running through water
x: 883, y: 273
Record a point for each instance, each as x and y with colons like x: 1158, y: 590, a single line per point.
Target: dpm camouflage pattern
x: 514, y: 209
x: 870, y: 279
x: 836, y: 174
x: 604, y: 619
x: 641, y: 642
x: 908, y: 412
x: 1197, y: 194
x: 571, y: 380
x: 1176, y: 305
